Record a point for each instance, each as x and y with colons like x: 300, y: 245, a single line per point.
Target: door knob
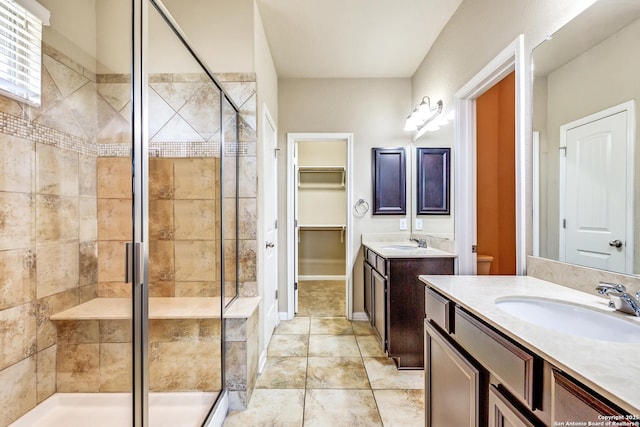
x: 615, y: 243
x: 270, y: 245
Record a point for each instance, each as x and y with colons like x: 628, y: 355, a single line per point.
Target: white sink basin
x: 570, y: 319
x: 400, y: 247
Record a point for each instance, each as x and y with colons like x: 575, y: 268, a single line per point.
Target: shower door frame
x: 138, y: 260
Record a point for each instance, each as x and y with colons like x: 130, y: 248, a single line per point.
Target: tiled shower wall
x: 49, y: 211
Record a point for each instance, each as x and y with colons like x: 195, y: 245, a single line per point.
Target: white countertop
x: 610, y: 368
x: 382, y: 249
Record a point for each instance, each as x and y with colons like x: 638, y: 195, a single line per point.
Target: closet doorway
x: 320, y: 231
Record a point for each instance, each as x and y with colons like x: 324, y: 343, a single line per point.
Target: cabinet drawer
x: 381, y: 265
x: 438, y: 309
x: 512, y: 365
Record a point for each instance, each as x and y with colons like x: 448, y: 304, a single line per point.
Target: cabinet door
x: 368, y: 291
x: 379, y: 306
x: 503, y: 414
x: 389, y: 181
x: 571, y: 401
x: 453, y: 384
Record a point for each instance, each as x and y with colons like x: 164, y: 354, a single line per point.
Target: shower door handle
x: 270, y: 245
x: 134, y: 256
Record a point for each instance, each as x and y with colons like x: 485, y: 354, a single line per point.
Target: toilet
x: 484, y: 264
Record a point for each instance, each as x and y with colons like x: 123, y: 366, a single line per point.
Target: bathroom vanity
x: 505, y: 370
x: 394, y: 297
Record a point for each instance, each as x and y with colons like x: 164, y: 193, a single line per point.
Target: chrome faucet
x: 422, y: 243
x: 620, y: 299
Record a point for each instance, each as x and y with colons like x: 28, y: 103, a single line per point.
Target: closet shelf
x: 321, y: 177
x: 323, y: 227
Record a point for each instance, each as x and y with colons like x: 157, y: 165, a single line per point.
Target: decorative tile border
x: 12, y: 125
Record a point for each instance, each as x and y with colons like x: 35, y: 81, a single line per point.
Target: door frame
x: 512, y: 58
x: 292, y: 138
x: 630, y: 108
x: 261, y: 235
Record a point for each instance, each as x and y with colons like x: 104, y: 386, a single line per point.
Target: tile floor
x: 322, y: 298
x: 329, y: 371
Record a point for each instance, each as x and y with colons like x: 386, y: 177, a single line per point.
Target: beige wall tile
x: 115, y: 367
x: 17, y: 218
x: 88, y: 263
x: 111, y: 261
x: 78, y: 331
x: 194, y: 178
x: 17, y: 277
x: 229, y: 218
x: 247, y: 219
x: 56, y: 171
x: 87, y: 293
x: 162, y: 289
x: 114, y: 289
x: 195, y: 261
x: 57, y: 268
x: 88, y: 217
x: 17, y: 157
x: 56, y: 218
x: 247, y: 260
x: 167, y: 330
x: 88, y: 176
x: 194, y: 219
x: 46, y: 372
x: 78, y: 368
x: 247, y: 177
x: 114, y: 177
x: 184, y: 365
x: 47, y: 332
x: 210, y: 329
x: 229, y: 179
x: 18, y: 393
x: 230, y: 273
x: 115, y: 331
x: 160, y: 179
x: 161, y: 261
x: 197, y: 289
x: 161, y: 220
x: 235, y: 361
x: 114, y: 219
x: 18, y: 338
x: 202, y: 112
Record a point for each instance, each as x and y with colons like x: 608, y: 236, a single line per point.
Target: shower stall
x: 119, y: 239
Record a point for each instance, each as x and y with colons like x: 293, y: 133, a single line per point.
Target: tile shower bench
x: 94, y: 346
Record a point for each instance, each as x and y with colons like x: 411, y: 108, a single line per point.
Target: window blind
x: 20, y: 53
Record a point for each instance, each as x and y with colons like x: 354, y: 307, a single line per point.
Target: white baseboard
x: 284, y: 315
x: 306, y: 278
x: 360, y: 315
x: 219, y: 412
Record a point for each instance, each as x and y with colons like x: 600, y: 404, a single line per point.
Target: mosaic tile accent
x: 16, y: 126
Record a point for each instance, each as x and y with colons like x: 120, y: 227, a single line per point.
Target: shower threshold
x: 171, y: 409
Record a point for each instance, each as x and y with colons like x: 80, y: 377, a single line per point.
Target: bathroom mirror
x: 585, y: 75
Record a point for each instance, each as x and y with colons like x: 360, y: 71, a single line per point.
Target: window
x: 20, y: 49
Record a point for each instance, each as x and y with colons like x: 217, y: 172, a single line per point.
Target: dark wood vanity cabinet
x: 522, y: 389
x: 394, y: 300
x: 454, y: 384
x: 572, y: 401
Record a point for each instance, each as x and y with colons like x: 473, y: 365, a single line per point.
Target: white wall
x: 476, y: 33
x: 220, y: 31
x: 373, y: 110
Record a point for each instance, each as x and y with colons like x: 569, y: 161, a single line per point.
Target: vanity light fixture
x: 422, y: 115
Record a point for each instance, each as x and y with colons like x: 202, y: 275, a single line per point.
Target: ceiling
x: 352, y: 38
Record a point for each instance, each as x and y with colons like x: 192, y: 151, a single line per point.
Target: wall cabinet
x: 394, y: 301
x: 389, y: 181
x: 520, y: 390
